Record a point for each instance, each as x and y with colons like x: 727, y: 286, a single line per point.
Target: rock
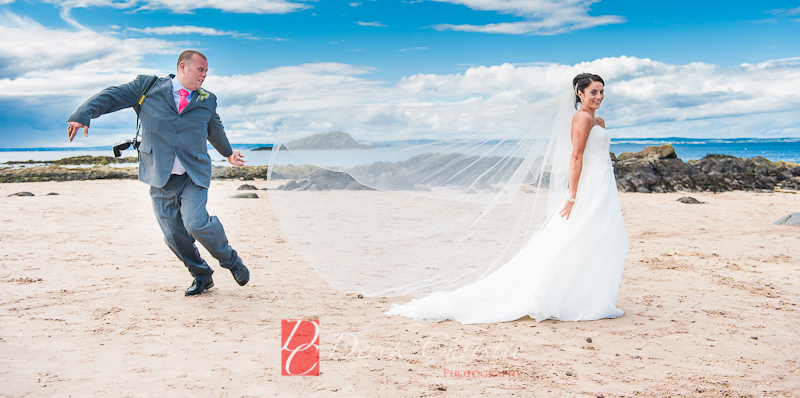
x: 651, y: 152
x: 441, y: 387
x: 52, y: 193
x: 792, y: 220
x: 292, y: 185
x: 613, y: 157
x: 248, y: 195
x: 636, y: 357
x: 242, y: 173
x: 247, y: 187
x: 569, y: 373
x: 588, y: 339
x: 57, y: 173
x: 689, y: 200
x: 23, y: 193
x: 713, y: 173
x: 325, y: 180
x: 98, y: 160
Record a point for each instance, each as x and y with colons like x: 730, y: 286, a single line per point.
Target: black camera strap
x: 138, y: 108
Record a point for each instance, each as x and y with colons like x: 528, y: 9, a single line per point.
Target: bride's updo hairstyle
x: 580, y: 82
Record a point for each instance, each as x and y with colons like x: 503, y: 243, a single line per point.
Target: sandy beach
x: 92, y: 304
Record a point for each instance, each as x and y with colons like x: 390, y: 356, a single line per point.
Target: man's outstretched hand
x: 73, y: 128
x: 236, y: 159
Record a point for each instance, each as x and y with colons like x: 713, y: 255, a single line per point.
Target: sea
x: 778, y: 149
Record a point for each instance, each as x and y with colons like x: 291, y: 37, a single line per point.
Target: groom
x: 177, y: 118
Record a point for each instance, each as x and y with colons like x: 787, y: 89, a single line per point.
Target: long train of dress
x: 570, y: 270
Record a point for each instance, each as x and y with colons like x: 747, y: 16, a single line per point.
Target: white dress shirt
x: 177, y: 167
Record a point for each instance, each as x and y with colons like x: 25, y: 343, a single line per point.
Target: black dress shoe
x: 240, y: 273
x: 199, y: 285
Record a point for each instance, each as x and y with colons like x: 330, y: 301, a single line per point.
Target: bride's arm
x: 581, y: 125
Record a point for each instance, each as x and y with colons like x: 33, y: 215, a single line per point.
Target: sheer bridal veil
x: 412, y: 199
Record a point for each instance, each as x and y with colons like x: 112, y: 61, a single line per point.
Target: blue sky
x: 710, y: 68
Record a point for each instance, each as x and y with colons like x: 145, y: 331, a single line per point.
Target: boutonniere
x: 202, y: 95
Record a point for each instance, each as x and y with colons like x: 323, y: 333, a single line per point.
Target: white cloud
x: 186, y: 30
x: 376, y: 23
x: 541, y: 17
x: 355, y: 4
x: 188, y: 6
x: 413, y: 49
x: 49, y: 72
x: 6, y: 2
x: 199, y: 30
x: 29, y: 50
x: 783, y: 11
x: 644, y: 98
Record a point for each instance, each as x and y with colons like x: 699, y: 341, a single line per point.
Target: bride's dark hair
x: 580, y: 82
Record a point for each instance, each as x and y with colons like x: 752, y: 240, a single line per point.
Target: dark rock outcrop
x: 247, y: 187
x: 650, y: 152
x: 58, y: 173
x: 659, y: 172
x: 80, y: 160
x: 245, y: 195
x: 23, y: 193
x: 244, y: 173
x: 690, y: 200
x: 97, y: 160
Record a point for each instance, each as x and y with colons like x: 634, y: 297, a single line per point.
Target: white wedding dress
x: 570, y: 270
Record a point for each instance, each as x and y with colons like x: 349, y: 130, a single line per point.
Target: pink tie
x: 183, y: 102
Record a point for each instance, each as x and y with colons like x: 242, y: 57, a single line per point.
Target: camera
x: 125, y: 144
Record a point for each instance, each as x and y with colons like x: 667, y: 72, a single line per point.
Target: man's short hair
x: 187, y: 56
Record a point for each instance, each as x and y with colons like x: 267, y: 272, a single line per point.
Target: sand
x: 92, y: 304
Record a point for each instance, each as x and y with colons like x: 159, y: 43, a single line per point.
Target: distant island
x: 329, y: 140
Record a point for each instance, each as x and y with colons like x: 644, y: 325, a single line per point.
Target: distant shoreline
x: 774, y: 149
x: 648, y: 141
x: 654, y: 169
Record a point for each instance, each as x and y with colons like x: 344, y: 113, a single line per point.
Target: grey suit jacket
x: 165, y: 132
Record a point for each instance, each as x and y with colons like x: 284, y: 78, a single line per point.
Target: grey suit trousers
x: 180, y: 208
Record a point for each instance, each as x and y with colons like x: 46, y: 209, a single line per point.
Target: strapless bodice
x: 597, y: 146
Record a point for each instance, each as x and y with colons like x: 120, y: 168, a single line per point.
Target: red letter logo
x: 300, y: 352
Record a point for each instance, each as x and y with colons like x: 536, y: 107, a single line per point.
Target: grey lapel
x: 166, y: 90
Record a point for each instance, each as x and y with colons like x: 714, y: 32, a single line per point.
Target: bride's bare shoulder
x: 582, y: 118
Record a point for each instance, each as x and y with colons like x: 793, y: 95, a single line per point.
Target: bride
x: 572, y: 268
